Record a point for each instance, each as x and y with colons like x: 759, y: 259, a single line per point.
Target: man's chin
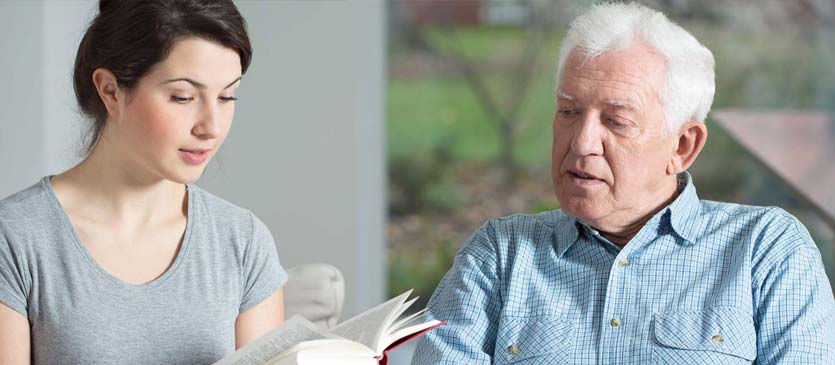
x: 582, y: 209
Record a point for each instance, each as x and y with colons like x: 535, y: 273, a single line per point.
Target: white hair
x: 690, y: 84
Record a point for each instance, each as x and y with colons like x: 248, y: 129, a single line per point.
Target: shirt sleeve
x: 13, y: 286
x: 468, y: 299
x: 262, y: 270
x: 795, y: 308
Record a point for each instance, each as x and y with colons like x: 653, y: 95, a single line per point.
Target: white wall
x: 64, y: 23
x: 21, y: 111
x: 306, y: 151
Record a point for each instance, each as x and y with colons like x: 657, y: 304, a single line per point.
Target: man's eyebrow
x: 563, y: 95
x: 622, y: 103
x: 198, y: 84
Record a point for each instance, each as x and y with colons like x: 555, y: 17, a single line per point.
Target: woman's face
x: 178, y: 115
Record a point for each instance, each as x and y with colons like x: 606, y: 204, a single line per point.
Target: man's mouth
x: 582, y: 175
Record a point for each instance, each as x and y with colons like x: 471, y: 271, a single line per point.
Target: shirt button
x: 615, y: 322
x: 513, y: 349
x: 717, y: 340
x: 623, y: 262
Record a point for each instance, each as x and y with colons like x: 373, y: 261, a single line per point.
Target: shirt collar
x: 684, y: 212
x: 566, y: 232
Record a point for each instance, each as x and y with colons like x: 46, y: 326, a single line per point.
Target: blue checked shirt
x: 701, y: 283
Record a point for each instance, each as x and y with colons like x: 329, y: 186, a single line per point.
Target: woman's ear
x: 108, y: 88
x: 687, y: 146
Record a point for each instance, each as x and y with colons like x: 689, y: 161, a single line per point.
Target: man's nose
x: 588, y: 135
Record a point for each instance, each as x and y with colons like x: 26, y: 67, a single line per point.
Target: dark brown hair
x: 128, y: 37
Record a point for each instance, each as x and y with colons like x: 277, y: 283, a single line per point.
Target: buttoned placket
x: 621, y: 292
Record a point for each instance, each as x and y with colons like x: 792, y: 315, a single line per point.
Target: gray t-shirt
x: 80, y: 314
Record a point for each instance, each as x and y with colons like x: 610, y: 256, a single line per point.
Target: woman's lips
x: 194, y: 157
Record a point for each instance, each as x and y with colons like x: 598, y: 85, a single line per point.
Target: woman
x: 120, y: 259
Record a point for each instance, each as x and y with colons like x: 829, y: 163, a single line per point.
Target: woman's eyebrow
x: 233, y: 82
x: 198, y: 84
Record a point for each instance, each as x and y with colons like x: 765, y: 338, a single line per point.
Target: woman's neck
x: 107, y: 186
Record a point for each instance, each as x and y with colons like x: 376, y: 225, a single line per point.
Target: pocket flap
x: 725, y: 330
x: 522, y: 338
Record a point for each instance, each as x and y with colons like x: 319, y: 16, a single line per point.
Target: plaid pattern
x: 701, y: 283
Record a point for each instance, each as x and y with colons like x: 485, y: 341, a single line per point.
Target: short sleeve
x: 262, y: 270
x: 13, y: 286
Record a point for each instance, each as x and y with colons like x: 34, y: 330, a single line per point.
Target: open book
x: 364, y: 339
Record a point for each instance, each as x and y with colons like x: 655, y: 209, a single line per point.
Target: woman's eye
x: 224, y: 99
x: 181, y: 99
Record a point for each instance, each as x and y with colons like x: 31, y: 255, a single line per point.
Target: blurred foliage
x: 481, y: 42
x: 428, y: 114
x: 422, y: 182
x: 421, y: 269
x: 544, y: 206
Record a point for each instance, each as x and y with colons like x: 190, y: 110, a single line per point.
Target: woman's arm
x: 257, y: 320
x: 14, y: 337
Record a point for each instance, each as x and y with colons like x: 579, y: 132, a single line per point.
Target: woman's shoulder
x: 27, y: 212
x: 219, y: 211
x: 31, y: 202
x: 230, y: 225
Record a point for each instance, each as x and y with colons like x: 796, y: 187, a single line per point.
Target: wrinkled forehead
x: 634, y: 72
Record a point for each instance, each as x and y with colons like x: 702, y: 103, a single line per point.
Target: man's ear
x: 687, y: 146
x: 108, y: 88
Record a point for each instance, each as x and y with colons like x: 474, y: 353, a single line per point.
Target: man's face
x: 611, y: 148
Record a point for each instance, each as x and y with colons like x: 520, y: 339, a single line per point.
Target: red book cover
x: 385, y: 359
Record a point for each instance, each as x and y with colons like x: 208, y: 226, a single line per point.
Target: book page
x: 402, y: 310
x: 317, y: 351
x: 368, y: 326
x: 273, y: 343
x: 414, y: 318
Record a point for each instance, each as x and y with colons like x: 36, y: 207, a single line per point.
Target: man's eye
x: 181, y: 99
x: 615, y: 123
x: 567, y: 112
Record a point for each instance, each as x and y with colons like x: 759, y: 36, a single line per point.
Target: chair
x: 316, y: 292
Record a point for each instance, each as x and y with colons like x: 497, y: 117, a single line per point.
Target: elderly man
x: 634, y: 269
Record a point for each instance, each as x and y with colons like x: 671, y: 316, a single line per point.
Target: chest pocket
x: 716, y: 336
x: 534, y: 340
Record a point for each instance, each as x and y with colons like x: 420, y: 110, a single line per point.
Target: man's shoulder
x: 522, y: 222
x: 512, y: 233
x: 748, y: 217
x: 771, y: 232
x: 523, y: 225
